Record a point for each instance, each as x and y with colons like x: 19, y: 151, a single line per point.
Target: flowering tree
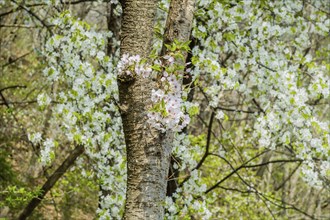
x: 184, y: 109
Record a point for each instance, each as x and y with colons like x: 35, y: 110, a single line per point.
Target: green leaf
x: 156, y: 67
x: 194, y: 110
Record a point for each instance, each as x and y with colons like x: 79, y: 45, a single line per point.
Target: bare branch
x: 68, y: 162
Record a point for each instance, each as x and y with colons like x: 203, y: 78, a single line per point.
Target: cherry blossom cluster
x: 47, y: 150
x: 132, y: 66
x: 269, y: 65
x: 86, y: 106
x: 167, y: 112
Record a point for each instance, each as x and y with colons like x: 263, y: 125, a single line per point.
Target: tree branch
x: 207, y: 147
x: 12, y: 87
x: 244, y: 165
x: 33, y: 15
x: 51, y: 181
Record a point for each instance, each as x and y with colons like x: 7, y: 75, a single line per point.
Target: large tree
x: 164, y: 109
x: 148, y: 149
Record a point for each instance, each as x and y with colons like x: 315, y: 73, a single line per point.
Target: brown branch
x: 207, y: 147
x: 11, y: 61
x: 18, y: 26
x: 289, y: 177
x: 272, y: 161
x: 244, y: 165
x: 257, y: 104
x: 266, y: 67
x: 51, y: 181
x: 5, y: 102
x: 19, y: 103
x: 12, y: 87
x: 259, y: 194
x: 33, y: 15
x: 234, y: 110
x: 44, y: 4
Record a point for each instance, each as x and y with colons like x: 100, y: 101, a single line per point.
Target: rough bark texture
x: 178, y: 26
x: 148, y: 155
x: 179, y: 21
x: 147, y: 158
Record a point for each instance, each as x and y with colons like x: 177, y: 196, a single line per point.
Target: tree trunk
x: 179, y: 21
x: 147, y: 159
x: 148, y: 155
x: 178, y: 26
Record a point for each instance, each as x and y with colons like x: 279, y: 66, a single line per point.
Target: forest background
x: 182, y: 109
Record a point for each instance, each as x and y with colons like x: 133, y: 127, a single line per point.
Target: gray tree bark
x: 147, y: 159
x: 179, y: 21
x: 148, y: 155
x: 178, y: 26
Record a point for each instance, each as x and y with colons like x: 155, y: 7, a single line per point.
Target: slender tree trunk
x: 148, y: 155
x: 114, y: 25
x: 178, y: 26
x: 179, y: 21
